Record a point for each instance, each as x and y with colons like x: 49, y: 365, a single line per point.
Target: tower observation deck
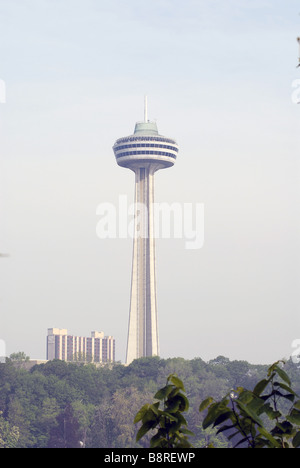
x: 144, y: 152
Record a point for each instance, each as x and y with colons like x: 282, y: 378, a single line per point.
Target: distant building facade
x: 97, y: 348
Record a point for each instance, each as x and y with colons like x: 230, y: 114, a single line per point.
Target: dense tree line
x: 68, y: 405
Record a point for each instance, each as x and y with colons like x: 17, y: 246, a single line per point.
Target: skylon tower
x: 144, y: 152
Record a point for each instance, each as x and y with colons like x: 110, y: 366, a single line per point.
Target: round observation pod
x: 145, y: 147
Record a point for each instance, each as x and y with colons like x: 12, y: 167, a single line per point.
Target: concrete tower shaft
x: 143, y: 326
x: 144, y: 152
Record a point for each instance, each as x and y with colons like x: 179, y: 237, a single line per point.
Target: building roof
x: 146, y: 128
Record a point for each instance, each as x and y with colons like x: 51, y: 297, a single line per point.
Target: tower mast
x: 146, y: 109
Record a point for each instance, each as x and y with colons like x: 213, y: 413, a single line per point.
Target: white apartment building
x: 97, y: 348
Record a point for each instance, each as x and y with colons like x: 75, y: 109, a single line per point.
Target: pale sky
x: 219, y: 76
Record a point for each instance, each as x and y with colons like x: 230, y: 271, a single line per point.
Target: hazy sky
x: 218, y: 75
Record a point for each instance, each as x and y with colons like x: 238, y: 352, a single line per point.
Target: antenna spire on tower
x: 146, y: 109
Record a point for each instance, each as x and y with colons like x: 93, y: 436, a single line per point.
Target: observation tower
x: 144, y: 152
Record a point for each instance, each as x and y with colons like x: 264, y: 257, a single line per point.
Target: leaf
x: 154, y: 408
x: 173, y: 427
x: 294, y: 417
x: 211, y: 416
x: 283, y: 375
x: 285, y: 387
x: 268, y: 436
x: 214, y: 412
x: 270, y: 412
x: 176, y: 381
x: 271, y: 369
x: 177, y: 403
x: 231, y: 436
x: 174, y: 392
x: 183, y: 443
x: 256, y: 404
x: 163, y: 393
x: 169, y: 416
x: 187, y: 432
x: 173, y: 405
x: 157, y: 440
x: 205, y: 404
x: 288, y: 396
x: 260, y: 387
x: 245, y: 439
x: 146, y: 427
x: 184, y: 403
x: 226, y: 428
x: 297, y: 405
x: 223, y: 417
x: 246, y: 397
x: 139, y: 416
x: 296, y: 440
x: 249, y: 412
x: 182, y: 419
x: 285, y: 428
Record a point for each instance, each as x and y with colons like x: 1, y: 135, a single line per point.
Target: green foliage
x: 169, y: 422
x: 209, y: 438
x: 112, y: 425
x: 9, y: 435
x: 255, y: 419
x: 66, y: 433
x: 73, y: 404
x: 19, y: 357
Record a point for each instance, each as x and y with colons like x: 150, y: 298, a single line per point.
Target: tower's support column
x: 143, y: 327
